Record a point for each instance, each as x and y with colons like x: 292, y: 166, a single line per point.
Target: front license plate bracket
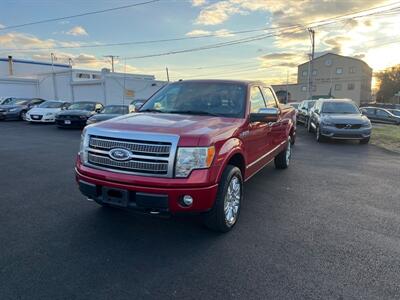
x: 115, y: 196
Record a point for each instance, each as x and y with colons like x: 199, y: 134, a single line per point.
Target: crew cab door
x: 278, y: 129
x: 256, y: 142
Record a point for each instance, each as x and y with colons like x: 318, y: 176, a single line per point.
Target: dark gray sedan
x: 339, y: 119
x: 108, y: 112
x: 381, y: 115
x: 17, y: 108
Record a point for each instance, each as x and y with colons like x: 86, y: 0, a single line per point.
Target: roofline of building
x: 357, y: 59
x: 32, y: 62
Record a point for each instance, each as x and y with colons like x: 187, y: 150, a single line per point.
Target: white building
x: 330, y: 75
x: 24, y: 78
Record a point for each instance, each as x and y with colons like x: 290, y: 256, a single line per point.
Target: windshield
x: 51, y: 104
x: 82, y: 106
x: 18, y: 102
x: 339, y: 108
x: 115, y: 110
x: 201, y: 98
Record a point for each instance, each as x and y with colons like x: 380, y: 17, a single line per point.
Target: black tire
x: 309, y: 128
x: 318, y: 136
x: 216, y: 219
x: 282, y: 160
x: 22, y: 115
x: 364, y: 141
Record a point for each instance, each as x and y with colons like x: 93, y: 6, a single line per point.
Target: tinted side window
x: 269, y: 98
x: 256, y: 100
x: 381, y: 113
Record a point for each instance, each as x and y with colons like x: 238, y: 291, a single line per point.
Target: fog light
x: 187, y: 200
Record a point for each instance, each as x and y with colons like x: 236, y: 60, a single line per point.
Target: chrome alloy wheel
x: 288, y: 152
x: 232, y: 201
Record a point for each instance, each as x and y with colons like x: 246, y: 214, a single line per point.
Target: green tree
x: 389, y: 83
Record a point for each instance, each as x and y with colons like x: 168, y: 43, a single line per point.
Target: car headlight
x: 367, y: 123
x: 192, y: 158
x: 13, y: 109
x: 83, y: 117
x: 49, y: 114
x: 83, y: 146
x: 326, y: 123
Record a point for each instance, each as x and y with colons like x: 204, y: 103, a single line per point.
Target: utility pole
x: 166, y: 69
x: 112, y: 61
x: 53, y: 57
x: 311, y: 63
x: 287, y: 86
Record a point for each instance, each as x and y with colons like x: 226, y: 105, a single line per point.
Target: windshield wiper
x: 193, y: 112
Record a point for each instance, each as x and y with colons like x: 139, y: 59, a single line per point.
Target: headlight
x: 83, y: 146
x: 189, y: 159
x: 49, y: 114
x: 90, y: 121
x: 326, y: 123
x: 83, y: 117
x: 13, y: 109
x: 367, y: 123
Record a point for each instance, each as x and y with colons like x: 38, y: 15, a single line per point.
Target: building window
x: 96, y: 76
x: 304, y: 73
x: 304, y: 88
x: 314, y: 72
x: 350, y: 86
x: 338, y: 87
x: 352, y: 70
x: 314, y: 88
x: 339, y: 70
x: 83, y: 75
x: 328, y: 62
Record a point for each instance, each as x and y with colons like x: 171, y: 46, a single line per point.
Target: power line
x: 79, y: 15
x: 319, y: 23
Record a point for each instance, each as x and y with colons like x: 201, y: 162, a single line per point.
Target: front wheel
x: 282, y: 160
x: 225, y: 213
x: 22, y: 115
x: 318, y: 136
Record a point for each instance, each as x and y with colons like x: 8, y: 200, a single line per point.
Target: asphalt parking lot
x: 326, y: 228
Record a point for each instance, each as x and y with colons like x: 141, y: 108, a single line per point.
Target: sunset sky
x: 276, y: 30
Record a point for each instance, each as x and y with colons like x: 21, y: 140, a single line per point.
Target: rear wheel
x: 318, y: 136
x: 282, y: 160
x: 364, y: 141
x: 226, y: 210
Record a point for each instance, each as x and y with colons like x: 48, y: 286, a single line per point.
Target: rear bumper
x: 165, y: 199
x: 346, y: 134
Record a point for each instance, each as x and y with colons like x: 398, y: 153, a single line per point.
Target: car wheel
x: 364, y: 141
x: 318, y: 135
x: 282, y: 160
x: 22, y: 115
x: 226, y: 210
x: 309, y: 128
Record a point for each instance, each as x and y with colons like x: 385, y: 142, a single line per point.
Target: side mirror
x: 265, y: 115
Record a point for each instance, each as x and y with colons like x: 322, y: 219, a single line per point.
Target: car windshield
x: 51, y: 104
x: 82, y: 106
x: 200, y: 98
x: 134, y: 102
x: 19, y: 102
x: 396, y: 112
x: 115, y: 109
x: 339, y: 108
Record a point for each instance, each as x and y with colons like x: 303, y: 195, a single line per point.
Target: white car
x: 46, y: 112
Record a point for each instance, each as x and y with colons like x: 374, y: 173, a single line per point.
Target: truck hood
x: 42, y: 111
x: 75, y: 113
x: 345, y: 118
x: 193, y: 130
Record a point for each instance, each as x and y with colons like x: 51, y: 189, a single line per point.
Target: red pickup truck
x: 189, y: 149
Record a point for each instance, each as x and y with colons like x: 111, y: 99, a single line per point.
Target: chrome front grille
x: 150, y: 154
x: 142, y: 148
x: 131, y: 165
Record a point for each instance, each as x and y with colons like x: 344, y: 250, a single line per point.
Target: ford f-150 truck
x: 189, y: 149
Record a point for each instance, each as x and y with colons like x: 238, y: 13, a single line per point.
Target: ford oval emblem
x: 120, y: 154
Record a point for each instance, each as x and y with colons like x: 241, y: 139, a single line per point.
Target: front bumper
x: 40, y: 118
x: 71, y: 123
x: 9, y: 115
x: 147, y: 194
x: 346, y: 134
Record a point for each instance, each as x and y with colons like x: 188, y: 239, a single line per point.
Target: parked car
x: 189, y: 150
x: 46, y: 112
x: 295, y: 105
x: 380, y: 115
x: 77, y: 114
x: 108, y: 112
x: 135, y: 105
x: 339, y: 119
x: 304, y: 108
x: 17, y: 108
